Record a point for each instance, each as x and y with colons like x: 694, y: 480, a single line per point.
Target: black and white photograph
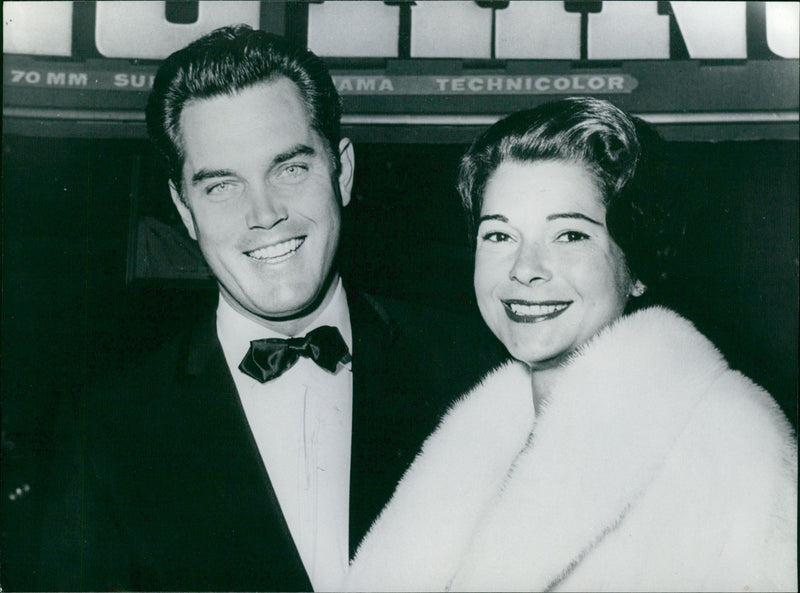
x: 409, y: 295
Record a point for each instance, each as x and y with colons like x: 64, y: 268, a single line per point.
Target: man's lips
x: 277, y: 252
x: 534, y: 311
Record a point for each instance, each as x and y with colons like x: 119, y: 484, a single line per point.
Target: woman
x: 618, y: 451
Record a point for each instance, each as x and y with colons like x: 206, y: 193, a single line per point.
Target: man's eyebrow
x: 574, y: 215
x: 204, y: 174
x: 499, y: 217
x: 294, y: 151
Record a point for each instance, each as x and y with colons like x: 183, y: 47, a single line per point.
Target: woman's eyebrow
x: 573, y: 215
x: 499, y: 217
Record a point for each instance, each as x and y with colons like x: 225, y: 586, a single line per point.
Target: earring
x: 638, y: 289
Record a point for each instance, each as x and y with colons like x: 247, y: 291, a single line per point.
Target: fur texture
x: 654, y: 467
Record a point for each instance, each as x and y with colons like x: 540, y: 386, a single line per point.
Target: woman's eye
x: 571, y: 237
x: 495, y: 237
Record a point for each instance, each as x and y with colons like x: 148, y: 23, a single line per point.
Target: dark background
x: 72, y: 311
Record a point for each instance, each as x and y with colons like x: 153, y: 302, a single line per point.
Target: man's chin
x: 287, y: 313
x: 298, y: 307
x: 289, y: 303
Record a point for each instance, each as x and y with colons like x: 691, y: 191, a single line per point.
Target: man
x: 214, y: 466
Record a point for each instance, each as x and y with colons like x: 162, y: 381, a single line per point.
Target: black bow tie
x: 270, y: 358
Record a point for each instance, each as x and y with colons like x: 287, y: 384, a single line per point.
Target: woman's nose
x: 530, y: 264
x: 265, y: 209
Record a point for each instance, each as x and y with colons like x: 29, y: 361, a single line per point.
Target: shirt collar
x: 236, y: 330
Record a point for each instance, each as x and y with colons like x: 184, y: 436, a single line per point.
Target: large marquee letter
x: 628, y: 31
x: 783, y: 28
x: 537, y: 30
x: 141, y: 30
x: 39, y: 28
x: 353, y: 29
x: 454, y: 29
x: 713, y: 30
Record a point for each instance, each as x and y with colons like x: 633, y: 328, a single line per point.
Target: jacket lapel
x: 385, y: 436
x: 372, y: 478
x: 247, y: 508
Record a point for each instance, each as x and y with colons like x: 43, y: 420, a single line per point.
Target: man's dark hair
x: 624, y: 154
x: 229, y: 60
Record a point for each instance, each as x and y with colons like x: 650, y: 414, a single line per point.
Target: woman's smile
x: 534, y: 312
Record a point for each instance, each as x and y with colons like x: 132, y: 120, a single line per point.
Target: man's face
x: 260, y: 198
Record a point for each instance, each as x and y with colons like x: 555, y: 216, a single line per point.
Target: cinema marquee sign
x: 425, y: 57
x: 67, y: 77
x: 487, y: 84
x: 621, y: 30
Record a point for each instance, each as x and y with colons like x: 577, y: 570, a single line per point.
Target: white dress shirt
x: 302, y: 424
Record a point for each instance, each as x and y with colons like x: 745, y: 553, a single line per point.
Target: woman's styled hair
x: 228, y: 60
x: 623, y: 153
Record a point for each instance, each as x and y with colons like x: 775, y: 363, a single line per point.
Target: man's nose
x: 265, y: 208
x: 531, y: 263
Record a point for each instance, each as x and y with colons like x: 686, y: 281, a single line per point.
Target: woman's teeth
x: 536, y: 310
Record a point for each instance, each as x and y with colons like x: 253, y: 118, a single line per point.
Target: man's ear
x: 183, y: 210
x: 347, y: 159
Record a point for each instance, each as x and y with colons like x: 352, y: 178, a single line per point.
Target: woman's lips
x: 533, y: 312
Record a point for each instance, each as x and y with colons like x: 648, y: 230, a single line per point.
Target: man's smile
x: 278, y: 252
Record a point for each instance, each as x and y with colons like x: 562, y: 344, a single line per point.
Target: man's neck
x: 290, y: 326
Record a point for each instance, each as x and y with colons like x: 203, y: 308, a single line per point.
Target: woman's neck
x: 541, y: 386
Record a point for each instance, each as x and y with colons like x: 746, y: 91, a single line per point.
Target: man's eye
x: 293, y: 172
x: 219, y: 188
x: 572, y: 237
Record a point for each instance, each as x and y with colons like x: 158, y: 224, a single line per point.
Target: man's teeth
x: 536, y: 310
x: 277, y: 251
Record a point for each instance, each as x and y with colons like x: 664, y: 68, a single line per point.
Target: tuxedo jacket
x: 172, y: 491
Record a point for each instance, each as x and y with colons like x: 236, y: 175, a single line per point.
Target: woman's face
x: 548, y: 276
